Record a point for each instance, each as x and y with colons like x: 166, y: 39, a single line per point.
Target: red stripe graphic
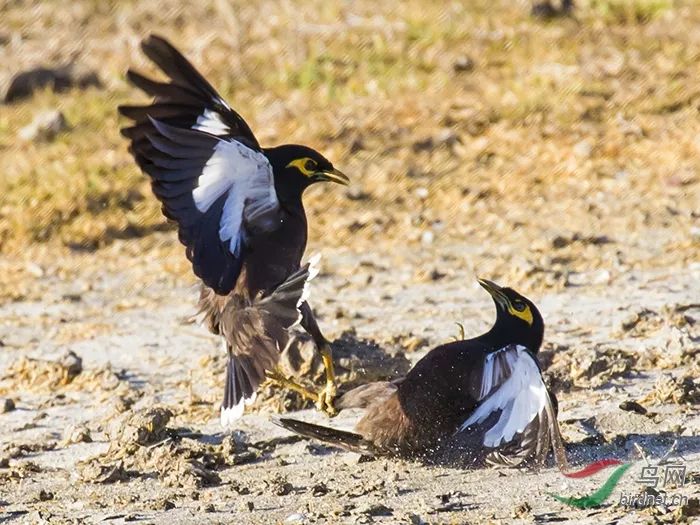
x: 591, y: 469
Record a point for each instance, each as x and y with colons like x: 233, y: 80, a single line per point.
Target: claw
x: 323, y: 399
x: 326, y: 397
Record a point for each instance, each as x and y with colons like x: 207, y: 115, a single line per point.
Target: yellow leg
x: 327, y: 395
x: 276, y: 378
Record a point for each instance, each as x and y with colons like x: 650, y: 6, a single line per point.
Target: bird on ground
x: 482, y: 398
x: 239, y: 213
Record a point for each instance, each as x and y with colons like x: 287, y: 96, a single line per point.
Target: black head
x: 518, y: 321
x: 297, y: 167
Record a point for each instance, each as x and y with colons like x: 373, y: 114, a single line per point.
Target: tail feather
x: 239, y: 390
x: 342, y: 438
x: 254, y: 335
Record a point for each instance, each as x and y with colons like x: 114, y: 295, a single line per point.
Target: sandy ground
x: 73, y: 452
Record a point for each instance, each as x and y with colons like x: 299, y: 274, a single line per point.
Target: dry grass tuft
x: 585, y: 126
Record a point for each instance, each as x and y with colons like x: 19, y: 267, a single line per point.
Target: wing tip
x: 153, y: 40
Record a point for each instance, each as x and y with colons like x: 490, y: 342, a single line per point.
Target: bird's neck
x: 292, y: 206
x: 502, y: 335
x: 289, y: 196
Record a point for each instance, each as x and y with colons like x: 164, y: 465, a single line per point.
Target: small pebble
x: 463, y: 64
x: 45, y: 126
x: 583, y: 149
x: 422, y: 193
x: 8, y: 405
x: 77, y: 434
x: 376, y: 509
x: 633, y: 406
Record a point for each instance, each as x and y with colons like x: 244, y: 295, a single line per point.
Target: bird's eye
x: 310, y: 165
x: 519, y: 306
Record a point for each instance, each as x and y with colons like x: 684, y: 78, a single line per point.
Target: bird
x: 239, y: 213
x: 483, y: 397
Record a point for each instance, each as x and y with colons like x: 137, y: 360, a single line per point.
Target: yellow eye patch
x: 524, y: 314
x: 305, y: 165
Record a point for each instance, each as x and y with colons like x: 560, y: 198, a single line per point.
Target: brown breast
x: 387, y: 426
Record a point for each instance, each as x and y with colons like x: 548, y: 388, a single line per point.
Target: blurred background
x: 542, y: 153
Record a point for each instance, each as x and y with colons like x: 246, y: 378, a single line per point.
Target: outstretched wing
x: 515, y: 405
x: 187, y: 101
x: 256, y: 332
x: 206, y: 167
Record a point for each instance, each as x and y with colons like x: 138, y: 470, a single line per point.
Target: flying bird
x: 486, y: 392
x: 239, y: 213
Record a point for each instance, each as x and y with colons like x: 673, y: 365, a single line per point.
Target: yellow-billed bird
x: 483, y: 397
x: 239, y: 211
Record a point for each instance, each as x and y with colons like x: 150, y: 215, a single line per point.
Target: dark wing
x: 205, y: 166
x: 187, y: 101
x: 257, y: 332
x: 515, y: 404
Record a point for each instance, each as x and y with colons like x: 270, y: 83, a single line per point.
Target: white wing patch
x: 210, y: 122
x: 246, y: 175
x: 511, y: 383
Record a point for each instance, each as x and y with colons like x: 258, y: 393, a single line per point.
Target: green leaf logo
x: 599, y: 496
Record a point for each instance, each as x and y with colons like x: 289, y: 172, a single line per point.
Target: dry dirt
x: 559, y: 158
x: 129, y: 431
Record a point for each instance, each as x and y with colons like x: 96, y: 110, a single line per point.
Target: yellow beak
x: 489, y: 286
x: 494, y: 290
x: 333, y: 175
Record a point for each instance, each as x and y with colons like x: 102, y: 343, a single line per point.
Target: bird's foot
x: 277, y: 378
x: 326, y: 398
x: 327, y: 395
x: 323, y: 399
